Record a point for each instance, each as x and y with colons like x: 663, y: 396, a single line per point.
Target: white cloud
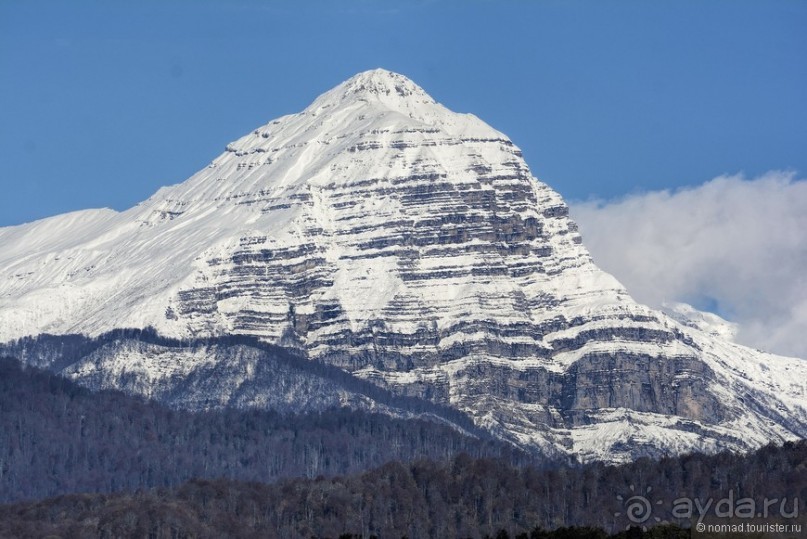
x: 735, y: 246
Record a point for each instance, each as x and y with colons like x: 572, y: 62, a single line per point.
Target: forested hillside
x: 142, y: 469
x: 464, y: 497
x: 57, y: 438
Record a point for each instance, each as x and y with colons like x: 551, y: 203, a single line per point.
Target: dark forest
x: 136, y: 468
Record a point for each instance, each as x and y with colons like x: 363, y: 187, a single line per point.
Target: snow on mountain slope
x: 379, y: 232
x: 704, y: 321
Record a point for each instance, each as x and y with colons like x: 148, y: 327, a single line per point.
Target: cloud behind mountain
x: 732, y: 245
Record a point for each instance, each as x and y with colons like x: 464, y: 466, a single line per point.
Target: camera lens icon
x: 638, y: 508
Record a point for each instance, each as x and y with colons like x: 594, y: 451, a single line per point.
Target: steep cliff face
x: 378, y: 232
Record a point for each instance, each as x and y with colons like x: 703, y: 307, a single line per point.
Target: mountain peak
x: 378, y: 85
x: 380, y: 233
x: 380, y: 82
x: 376, y: 107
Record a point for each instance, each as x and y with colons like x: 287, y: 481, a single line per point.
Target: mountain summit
x: 411, y: 247
x: 380, y: 85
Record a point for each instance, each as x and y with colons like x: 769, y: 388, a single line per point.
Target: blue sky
x: 103, y: 102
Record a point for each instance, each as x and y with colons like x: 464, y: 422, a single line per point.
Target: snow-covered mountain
x: 381, y: 233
